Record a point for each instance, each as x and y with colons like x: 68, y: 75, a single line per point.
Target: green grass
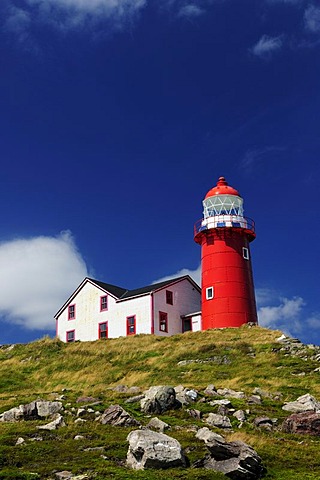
x: 48, y: 368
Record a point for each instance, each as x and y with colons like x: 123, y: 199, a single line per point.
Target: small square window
x: 163, y: 322
x: 103, y: 330
x: 169, y: 297
x: 209, y: 293
x: 131, y: 325
x: 71, y: 312
x: 71, y: 336
x: 245, y: 253
x: 103, y: 303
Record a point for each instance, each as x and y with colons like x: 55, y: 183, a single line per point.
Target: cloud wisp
x: 190, y: 10
x: 36, y: 277
x: 266, y: 46
x: 70, y: 15
x: 194, y: 274
x: 312, y: 19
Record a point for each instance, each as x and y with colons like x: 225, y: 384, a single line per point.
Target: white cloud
x: 194, y: 274
x: 191, y: 10
x: 68, y: 15
x: 312, y: 19
x: 36, y: 277
x: 257, y: 156
x: 266, y: 46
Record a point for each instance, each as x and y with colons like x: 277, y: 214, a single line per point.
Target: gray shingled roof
x: 122, y: 293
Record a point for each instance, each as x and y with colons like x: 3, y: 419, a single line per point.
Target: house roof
x: 113, y: 289
x: 123, y: 294
x: 154, y: 287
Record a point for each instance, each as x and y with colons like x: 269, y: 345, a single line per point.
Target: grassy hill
x: 240, y: 359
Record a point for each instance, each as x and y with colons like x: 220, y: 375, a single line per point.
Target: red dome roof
x: 222, y: 188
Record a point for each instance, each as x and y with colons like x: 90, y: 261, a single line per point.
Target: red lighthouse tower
x: 227, y: 284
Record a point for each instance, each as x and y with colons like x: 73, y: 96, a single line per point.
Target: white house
x: 100, y: 310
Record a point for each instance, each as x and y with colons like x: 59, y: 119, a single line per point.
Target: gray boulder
x: 227, y: 392
x: 219, y: 421
x: 149, y: 449
x: 302, y: 404
x: 31, y: 411
x: 157, y: 424
x: 236, y: 460
x: 159, y: 399
x: 58, y: 422
x: 117, y: 416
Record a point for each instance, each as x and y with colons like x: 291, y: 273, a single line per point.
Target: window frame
x: 100, y: 331
x: 133, y: 325
x: 245, y: 253
x: 209, y: 297
x: 74, y: 336
x: 169, y: 297
x: 103, y: 297
x: 72, y: 312
x: 163, y: 321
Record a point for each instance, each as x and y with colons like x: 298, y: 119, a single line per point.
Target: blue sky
x: 117, y: 116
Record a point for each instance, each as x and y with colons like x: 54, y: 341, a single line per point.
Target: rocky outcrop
x: 159, y: 399
x: 302, y: 404
x: 157, y: 424
x: 302, y: 423
x: 236, y: 460
x: 31, y: 411
x: 149, y: 449
x: 117, y: 416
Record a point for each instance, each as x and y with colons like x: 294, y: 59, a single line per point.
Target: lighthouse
x: 224, y: 234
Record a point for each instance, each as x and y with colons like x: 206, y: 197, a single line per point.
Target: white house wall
x: 186, y: 299
x: 88, y: 315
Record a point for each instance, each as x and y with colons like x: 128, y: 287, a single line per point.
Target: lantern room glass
x: 222, y: 205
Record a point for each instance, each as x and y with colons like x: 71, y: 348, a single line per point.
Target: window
x: 131, y: 325
x: 71, y: 335
x: 169, y: 297
x: 163, y: 322
x: 209, y: 293
x: 187, y: 325
x: 71, y: 312
x: 103, y: 330
x: 103, y: 303
x: 245, y: 253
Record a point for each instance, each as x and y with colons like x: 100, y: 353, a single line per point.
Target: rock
x: 224, y: 402
x: 45, y: 409
x: 194, y: 413
x: 210, y: 390
x: 227, y: 392
x: 303, y: 423
x: 20, y: 441
x: 240, y: 415
x: 58, y: 422
x: 81, y: 412
x: 159, y: 400
x: 186, y: 396
x: 87, y: 400
x: 79, y: 437
x: 117, y: 416
x: 135, y: 399
x: 64, y: 475
x: 149, y: 449
x: 302, y: 404
x: 120, y: 388
x: 263, y: 422
x: 80, y: 420
x: 218, y: 421
x: 236, y: 460
x: 157, y: 424
x: 254, y: 400
x: 31, y: 411
x: 13, y: 415
x: 134, y: 389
